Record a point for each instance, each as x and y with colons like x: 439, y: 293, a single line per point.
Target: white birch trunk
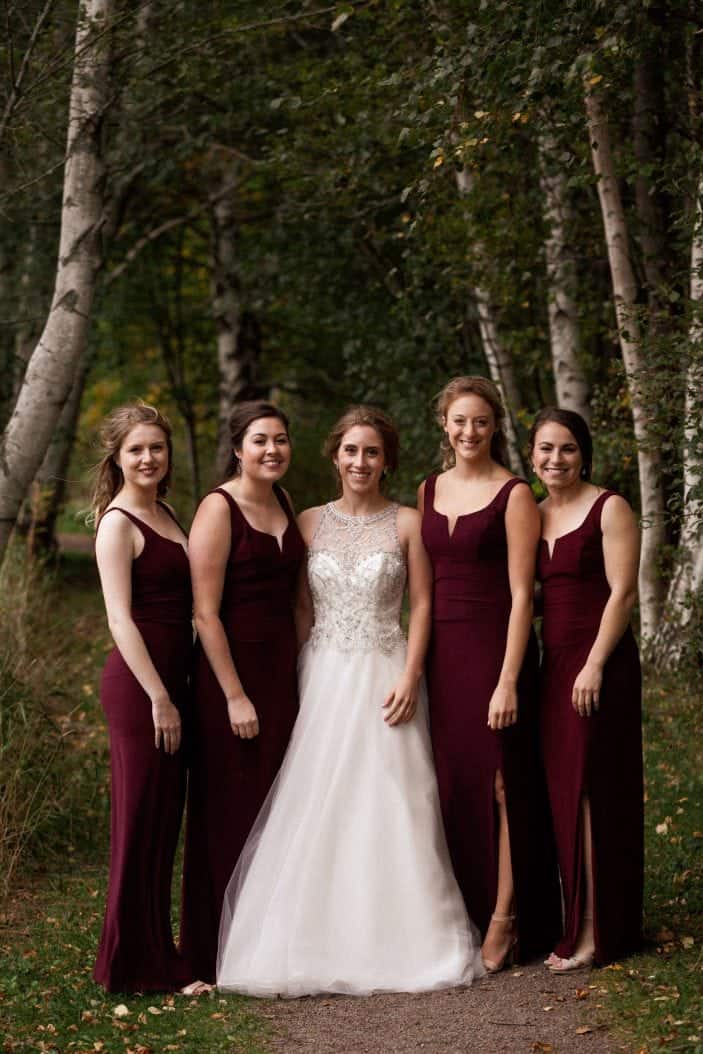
x: 625, y: 292
x: 564, y: 339
x: 687, y: 579
x: 52, y: 367
x: 498, y: 359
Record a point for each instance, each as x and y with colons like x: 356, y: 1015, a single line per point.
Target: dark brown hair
x: 115, y: 429
x: 575, y: 424
x: 241, y: 418
x: 487, y: 391
x: 373, y: 418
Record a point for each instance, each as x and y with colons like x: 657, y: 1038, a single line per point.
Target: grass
x: 50, y: 923
x: 49, y: 931
x: 654, y: 1001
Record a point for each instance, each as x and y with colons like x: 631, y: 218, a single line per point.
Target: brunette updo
x: 374, y: 418
x: 575, y: 424
x: 244, y: 415
x: 109, y: 479
x: 486, y: 390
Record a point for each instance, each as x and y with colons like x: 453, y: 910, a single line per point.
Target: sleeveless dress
x: 230, y: 777
x: 598, y: 756
x: 136, y: 951
x: 345, y: 883
x: 471, y: 609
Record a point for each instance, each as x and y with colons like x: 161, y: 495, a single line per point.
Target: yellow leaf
x: 595, y: 79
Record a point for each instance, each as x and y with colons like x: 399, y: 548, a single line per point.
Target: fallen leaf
x: 542, y: 1048
x: 583, y: 1030
x: 121, y: 1010
x: 154, y: 1010
x: 687, y: 942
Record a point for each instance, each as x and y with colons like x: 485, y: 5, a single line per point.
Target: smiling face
x: 556, y: 456
x: 470, y: 426
x: 265, y: 451
x: 360, y: 460
x: 143, y: 456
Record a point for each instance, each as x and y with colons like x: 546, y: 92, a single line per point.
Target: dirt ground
x: 525, y: 1009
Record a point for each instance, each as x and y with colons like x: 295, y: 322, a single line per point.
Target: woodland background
x: 353, y: 202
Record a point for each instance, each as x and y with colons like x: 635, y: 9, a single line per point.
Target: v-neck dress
x: 471, y: 610
x: 137, y: 952
x: 230, y: 777
x: 598, y: 756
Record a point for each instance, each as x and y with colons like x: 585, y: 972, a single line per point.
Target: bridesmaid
x: 591, y: 688
x: 481, y: 530
x: 246, y: 555
x: 141, y: 555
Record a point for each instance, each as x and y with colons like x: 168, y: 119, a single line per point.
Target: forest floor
x: 50, y: 927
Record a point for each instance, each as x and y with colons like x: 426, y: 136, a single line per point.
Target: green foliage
x: 41, y: 666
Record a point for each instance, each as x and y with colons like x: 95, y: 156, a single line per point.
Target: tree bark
x: 52, y: 367
x: 49, y: 487
x: 564, y: 339
x: 625, y: 294
x: 687, y: 579
x: 236, y: 353
x: 498, y: 359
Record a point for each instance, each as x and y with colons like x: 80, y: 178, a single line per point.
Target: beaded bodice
x: 357, y: 574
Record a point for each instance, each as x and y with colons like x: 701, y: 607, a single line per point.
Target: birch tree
x: 498, y: 359
x: 622, y: 276
x: 564, y: 339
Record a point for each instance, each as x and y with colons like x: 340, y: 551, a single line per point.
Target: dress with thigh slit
x: 230, y: 777
x: 598, y: 756
x: 471, y: 610
x: 136, y: 952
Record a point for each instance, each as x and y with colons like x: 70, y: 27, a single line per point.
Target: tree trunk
x: 52, y: 367
x: 49, y: 487
x: 569, y: 379
x: 687, y: 579
x: 625, y: 293
x: 498, y: 359
x: 237, y: 354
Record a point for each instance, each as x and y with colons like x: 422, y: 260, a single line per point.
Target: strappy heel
x: 495, y: 966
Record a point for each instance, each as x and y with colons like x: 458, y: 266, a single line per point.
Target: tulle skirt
x: 345, y: 884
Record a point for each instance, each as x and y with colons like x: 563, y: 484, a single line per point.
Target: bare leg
x: 500, y: 934
x: 585, y: 943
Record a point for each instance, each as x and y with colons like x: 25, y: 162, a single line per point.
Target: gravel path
x: 524, y: 1009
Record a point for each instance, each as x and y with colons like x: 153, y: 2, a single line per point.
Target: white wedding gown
x: 345, y: 884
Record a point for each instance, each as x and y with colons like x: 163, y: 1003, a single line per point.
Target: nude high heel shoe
x: 495, y: 966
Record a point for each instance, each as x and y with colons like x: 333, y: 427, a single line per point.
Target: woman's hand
x: 400, y: 704
x: 167, y: 724
x: 502, y: 709
x: 243, y: 717
x: 586, y: 691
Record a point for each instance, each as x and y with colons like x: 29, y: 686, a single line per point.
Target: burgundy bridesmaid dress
x: 471, y: 609
x: 229, y: 776
x: 136, y: 952
x: 598, y: 756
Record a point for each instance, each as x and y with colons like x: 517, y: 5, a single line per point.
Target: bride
x: 344, y: 884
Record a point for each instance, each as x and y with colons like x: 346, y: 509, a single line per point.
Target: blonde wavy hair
x: 108, y: 478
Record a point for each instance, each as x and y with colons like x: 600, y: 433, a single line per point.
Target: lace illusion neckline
x: 372, y: 517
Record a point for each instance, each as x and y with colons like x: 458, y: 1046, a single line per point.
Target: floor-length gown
x: 471, y: 609
x: 230, y: 777
x: 345, y: 883
x: 598, y: 756
x: 136, y: 951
